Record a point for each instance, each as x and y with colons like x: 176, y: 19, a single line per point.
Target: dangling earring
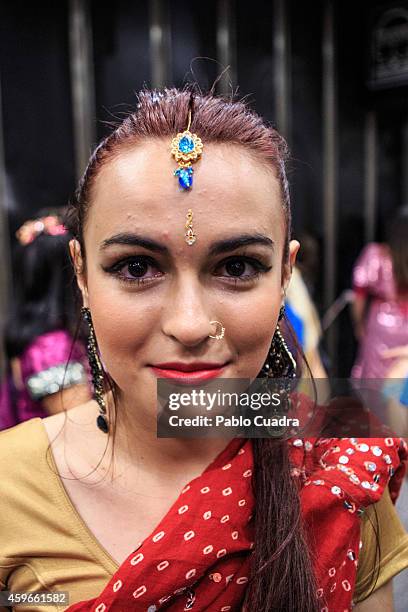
x: 280, y: 362
x: 97, y: 372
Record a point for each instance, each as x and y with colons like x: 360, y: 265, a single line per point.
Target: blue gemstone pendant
x: 186, y: 148
x: 186, y: 144
x: 185, y: 177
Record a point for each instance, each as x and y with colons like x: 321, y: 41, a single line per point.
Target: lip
x: 188, y: 372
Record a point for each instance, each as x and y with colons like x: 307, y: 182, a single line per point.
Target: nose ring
x: 220, y: 330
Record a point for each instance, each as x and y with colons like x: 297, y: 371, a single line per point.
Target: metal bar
x: 329, y: 167
x: 5, y: 268
x: 82, y: 81
x: 370, y: 175
x: 281, y: 60
x: 226, y: 46
x: 160, y: 43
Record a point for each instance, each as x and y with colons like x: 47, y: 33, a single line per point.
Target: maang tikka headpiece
x: 186, y: 148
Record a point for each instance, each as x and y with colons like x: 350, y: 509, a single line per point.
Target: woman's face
x: 152, y: 296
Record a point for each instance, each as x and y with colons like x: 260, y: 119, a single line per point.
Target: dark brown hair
x: 282, y: 577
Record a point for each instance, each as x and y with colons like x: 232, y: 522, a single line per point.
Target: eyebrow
x: 221, y: 246
x: 230, y: 244
x: 134, y: 240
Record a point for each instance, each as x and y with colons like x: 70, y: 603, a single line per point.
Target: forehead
x: 232, y: 191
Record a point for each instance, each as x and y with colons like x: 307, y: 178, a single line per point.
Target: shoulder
x: 23, y: 450
x: 27, y: 482
x: 32, y: 453
x: 17, y: 440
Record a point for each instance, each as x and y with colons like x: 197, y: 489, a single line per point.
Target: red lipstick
x: 188, y: 373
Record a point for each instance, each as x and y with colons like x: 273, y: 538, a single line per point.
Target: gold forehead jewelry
x: 186, y: 148
x: 220, y: 332
x: 190, y: 235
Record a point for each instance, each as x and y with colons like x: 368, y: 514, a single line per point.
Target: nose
x: 186, y: 317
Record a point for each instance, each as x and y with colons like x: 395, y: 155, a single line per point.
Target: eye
x: 241, y: 268
x: 140, y: 269
x: 236, y: 267
x: 137, y: 268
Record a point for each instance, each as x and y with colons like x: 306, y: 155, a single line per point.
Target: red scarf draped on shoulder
x: 198, y: 557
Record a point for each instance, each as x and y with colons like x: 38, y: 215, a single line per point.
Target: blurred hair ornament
x: 32, y: 228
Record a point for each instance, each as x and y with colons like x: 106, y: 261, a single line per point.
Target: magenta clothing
x: 386, y: 324
x: 43, y: 371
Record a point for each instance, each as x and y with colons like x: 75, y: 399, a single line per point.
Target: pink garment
x: 43, y: 371
x: 386, y: 324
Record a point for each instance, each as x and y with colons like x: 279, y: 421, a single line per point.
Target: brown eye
x: 235, y: 268
x: 137, y: 268
x: 243, y: 269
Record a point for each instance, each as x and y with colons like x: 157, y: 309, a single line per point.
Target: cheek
x: 123, y: 325
x: 251, y: 323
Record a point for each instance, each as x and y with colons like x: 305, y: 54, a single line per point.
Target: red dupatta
x: 198, y: 557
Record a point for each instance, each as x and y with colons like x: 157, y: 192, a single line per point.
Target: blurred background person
x: 46, y: 370
x: 380, y: 307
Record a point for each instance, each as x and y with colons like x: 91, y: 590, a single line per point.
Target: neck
x: 136, y: 443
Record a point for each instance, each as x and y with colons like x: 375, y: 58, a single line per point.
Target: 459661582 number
x: 25, y: 598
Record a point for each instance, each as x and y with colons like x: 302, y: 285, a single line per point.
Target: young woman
x: 40, y: 327
x: 186, y: 281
